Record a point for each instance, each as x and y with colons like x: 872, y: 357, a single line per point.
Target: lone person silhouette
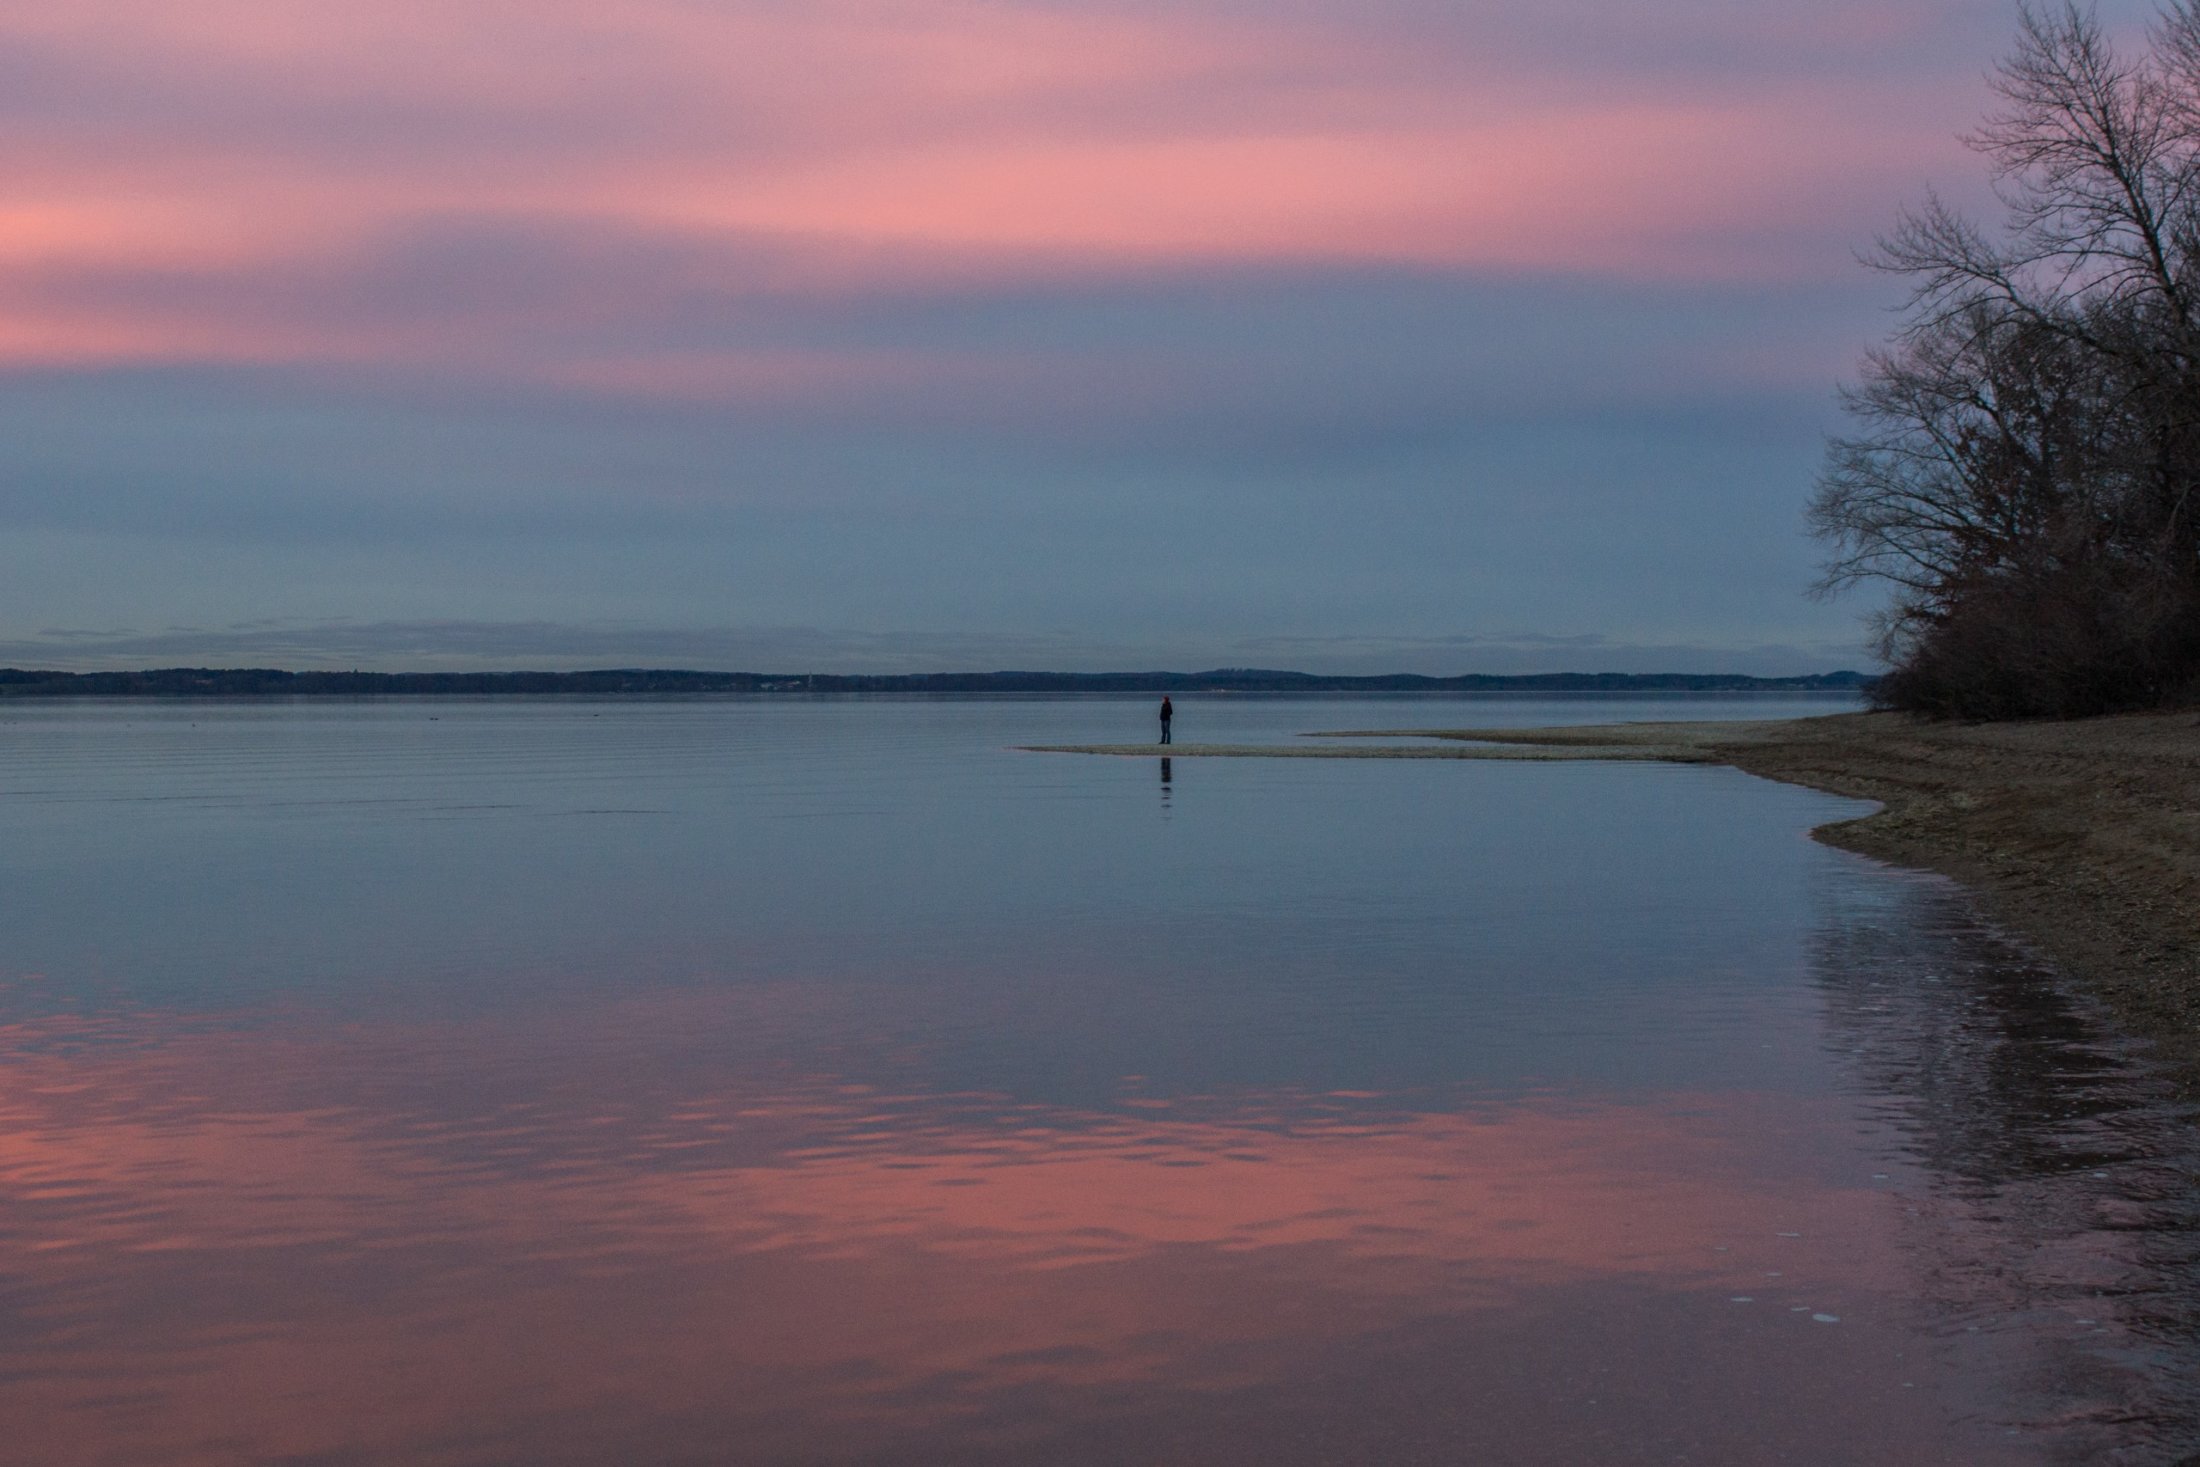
x: 1167, y: 713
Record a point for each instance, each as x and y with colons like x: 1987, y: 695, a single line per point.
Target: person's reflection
x: 1164, y: 784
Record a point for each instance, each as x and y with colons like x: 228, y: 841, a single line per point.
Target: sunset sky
x: 1345, y: 335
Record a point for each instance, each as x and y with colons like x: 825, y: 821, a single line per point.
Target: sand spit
x: 2084, y: 836
x: 1375, y: 751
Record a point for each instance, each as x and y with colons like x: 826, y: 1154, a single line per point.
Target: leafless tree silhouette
x: 2027, y: 449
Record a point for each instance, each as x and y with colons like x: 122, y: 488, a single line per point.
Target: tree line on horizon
x: 2026, y: 450
x: 262, y: 682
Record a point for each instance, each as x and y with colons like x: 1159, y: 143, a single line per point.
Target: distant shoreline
x: 2083, y: 836
x: 259, y: 682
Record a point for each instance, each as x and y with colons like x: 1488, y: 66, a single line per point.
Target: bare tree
x: 2028, y: 446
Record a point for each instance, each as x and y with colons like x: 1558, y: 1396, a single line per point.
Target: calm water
x: 808, y: 1082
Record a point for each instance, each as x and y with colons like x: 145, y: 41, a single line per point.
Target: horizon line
x: 18, y: 676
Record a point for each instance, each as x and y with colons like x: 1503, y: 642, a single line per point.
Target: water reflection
x: 410, y: 1263
x: 1375, y: 1112
x: 817, y: 1269
x: 2053, y: 1185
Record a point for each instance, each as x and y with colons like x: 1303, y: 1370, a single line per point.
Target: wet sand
x: 2084, y: 837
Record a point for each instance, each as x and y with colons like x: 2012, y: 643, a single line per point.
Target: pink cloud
x: 249, y: 140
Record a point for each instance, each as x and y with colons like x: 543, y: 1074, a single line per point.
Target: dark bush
x: 2077, y: 646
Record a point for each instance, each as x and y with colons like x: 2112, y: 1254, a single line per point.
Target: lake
x: 826, y: 1081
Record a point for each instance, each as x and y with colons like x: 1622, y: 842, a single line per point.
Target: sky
x: 908, y: 335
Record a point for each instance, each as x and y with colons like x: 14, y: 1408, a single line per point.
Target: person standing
x: 1167, y: 712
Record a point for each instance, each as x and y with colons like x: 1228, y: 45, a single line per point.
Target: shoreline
x: 2081, y: 837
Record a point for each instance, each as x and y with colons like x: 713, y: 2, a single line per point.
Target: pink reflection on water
x: 220, y: 1249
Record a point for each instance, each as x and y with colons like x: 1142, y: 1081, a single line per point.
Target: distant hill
x: 262, y: 682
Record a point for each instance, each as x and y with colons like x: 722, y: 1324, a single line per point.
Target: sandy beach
x: 2084, y: 836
